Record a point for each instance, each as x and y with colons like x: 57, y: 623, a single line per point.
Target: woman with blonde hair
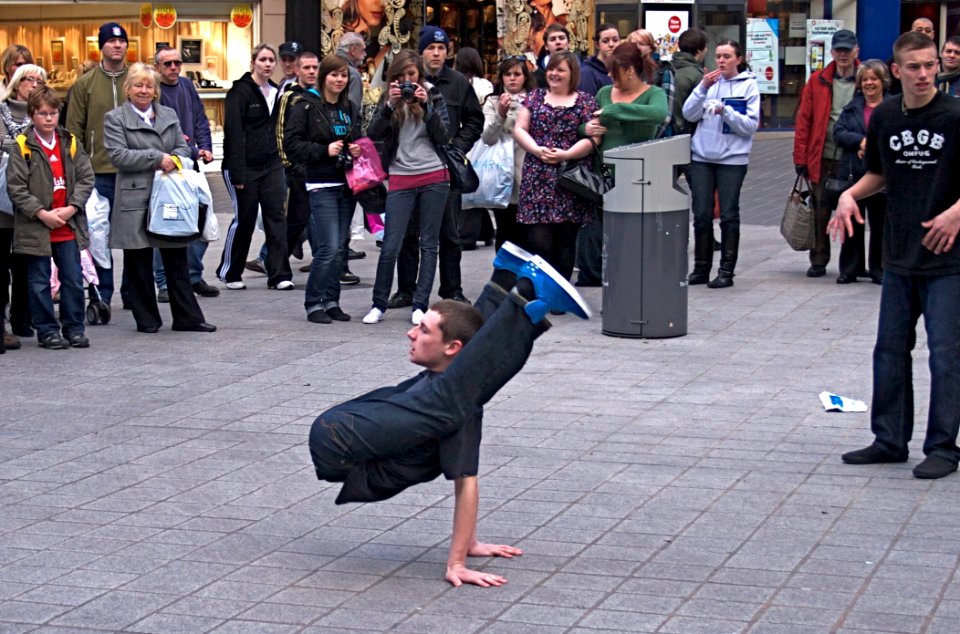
x: 12, y: 58
x: 14, y: 120
x: 140, y: 137
x: 411, y: 124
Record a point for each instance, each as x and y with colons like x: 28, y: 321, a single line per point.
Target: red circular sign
x: 674, y: 24
x: 768, y: 73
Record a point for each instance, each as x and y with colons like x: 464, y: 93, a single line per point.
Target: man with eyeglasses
x: 180, y: 94
x: 94, y: 95
x: 948, y: 80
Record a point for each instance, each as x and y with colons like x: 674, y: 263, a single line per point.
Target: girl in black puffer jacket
x: 254, y: 174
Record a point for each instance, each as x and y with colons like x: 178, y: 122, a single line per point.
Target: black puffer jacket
x: 385, y: 132
x: 249, y: 131
x: 309, y: 130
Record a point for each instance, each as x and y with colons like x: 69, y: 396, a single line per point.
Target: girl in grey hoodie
x: 726, y: 104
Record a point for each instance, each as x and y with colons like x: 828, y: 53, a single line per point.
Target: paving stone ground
x: 161, y: 483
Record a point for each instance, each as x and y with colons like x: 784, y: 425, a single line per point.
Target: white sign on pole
x: 666, y: 27
x: 819, y: 36
x: 763, y: 53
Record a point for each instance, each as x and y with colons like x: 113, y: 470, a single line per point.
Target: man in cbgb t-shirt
x: 913, y: 150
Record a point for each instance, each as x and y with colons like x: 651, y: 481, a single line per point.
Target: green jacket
x: 93, y: 96
x: 687, y: 72
x: 30, y: 185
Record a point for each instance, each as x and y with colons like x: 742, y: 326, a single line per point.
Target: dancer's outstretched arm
x: 464, y: 541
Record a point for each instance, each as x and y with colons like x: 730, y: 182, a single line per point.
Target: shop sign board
x: 819, y: 36
x: 666, y: 27
x: 763, y: 53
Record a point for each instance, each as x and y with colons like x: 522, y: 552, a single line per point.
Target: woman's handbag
x: 367, y: 171
x: 494, y: 167
x: 174, y: 206
x: 798, y: 226
x: 578, y: 177
x: 462, y: 176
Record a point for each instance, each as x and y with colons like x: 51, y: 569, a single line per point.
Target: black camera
x: 408, y: 91
x: 344, y: 160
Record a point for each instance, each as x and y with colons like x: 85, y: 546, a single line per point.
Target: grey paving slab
x: 677, y: 485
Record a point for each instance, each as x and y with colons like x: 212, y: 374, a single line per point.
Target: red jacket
x: 813, y: 115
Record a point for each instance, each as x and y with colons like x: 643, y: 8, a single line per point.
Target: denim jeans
x: 331, y: 209
x: 705, y: 179
x: 106, y: 185
x: 66, y: 255
x: 903, y: 300
x: 195, y: 252
x: 431, y: 202
x: 391, y: 421
x: 450, y: 252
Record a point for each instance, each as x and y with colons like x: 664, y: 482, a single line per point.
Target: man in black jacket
x: 466, y: 124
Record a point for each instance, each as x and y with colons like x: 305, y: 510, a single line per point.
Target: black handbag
x: 578, y: 178
x: 463, y: 178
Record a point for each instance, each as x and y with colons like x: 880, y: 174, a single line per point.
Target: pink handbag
x: 367, y: 171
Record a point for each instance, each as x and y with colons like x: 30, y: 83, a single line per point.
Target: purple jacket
x: 185, y: 101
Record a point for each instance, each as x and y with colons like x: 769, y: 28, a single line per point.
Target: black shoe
x: 399, y: 300
x: 150, y: 330
x: 458, y: 297
x: 78, y: 340
x: 846, y: 279
x: 876, y: 279
x: 337, y: 314
x: 305, y: 268
x: 203, y: 289
x: 256, y: 266
x: 816, y: 270
x: 163, y: 296
x: 201, y: 327
x: 696, y: 278
x: 24, y: 332
x: 348, y: 279
x: 298, y: 251
x: 54, y: 341
x: 319, y: 317
x: 379, y: 244
x: 872, y: 455
x: 722, y: 280
x: 934, y: 468
x: 353, y: 254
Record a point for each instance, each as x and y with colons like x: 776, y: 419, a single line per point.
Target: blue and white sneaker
x: 511, y: 258
x: 553, y: 292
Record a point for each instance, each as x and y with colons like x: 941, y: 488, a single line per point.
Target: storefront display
x: 62, y: 36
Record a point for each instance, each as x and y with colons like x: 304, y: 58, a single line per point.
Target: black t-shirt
x: 917, y: 152
x: 458, y: 455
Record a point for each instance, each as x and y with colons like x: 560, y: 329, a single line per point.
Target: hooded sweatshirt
x: 593, y: 76
x: 727, y: 137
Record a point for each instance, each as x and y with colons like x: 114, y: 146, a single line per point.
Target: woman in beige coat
x: 140, y: 137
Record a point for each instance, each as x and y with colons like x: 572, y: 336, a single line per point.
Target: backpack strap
x: 24, y: 150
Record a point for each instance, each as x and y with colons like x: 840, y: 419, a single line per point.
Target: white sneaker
x: 373, y: 317
x: 236, y: 286
x: 416, y: 317
x: 285, y: 285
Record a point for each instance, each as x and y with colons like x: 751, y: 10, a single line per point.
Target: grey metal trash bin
x: 645, y: 231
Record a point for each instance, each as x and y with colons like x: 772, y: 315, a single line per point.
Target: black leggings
x: 555, y: 242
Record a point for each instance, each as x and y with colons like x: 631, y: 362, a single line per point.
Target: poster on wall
x: 666, y: 27
x: 763, y: 53
x: 819, y: 35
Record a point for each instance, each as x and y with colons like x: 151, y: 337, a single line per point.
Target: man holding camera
x: 466, y: 124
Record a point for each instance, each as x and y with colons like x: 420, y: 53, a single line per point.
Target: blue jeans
x: 431, y: 200
x: 106, y: 185
x: 66, y: 255
x: 331, y: 209
x: 705, y: 179
x: 389, y: 424
x: 195, y: 253
x: 903, y: 300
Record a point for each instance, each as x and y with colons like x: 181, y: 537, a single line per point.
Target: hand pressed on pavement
x: 458, y: 574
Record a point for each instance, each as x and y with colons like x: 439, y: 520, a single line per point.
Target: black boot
x: 729, y: 249
x: 702, y: 258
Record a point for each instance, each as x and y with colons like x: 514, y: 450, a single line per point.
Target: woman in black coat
x: 850, y: 133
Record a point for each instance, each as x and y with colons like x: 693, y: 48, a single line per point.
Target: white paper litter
x: 836, y: 403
